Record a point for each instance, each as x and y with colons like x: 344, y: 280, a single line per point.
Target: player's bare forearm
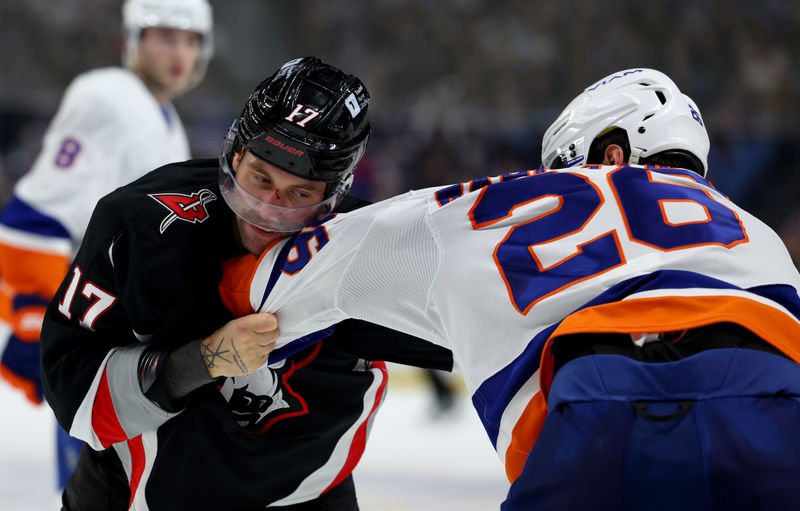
x: 241, y: 346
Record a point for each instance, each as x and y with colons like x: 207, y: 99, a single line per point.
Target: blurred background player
x: 113, y: 125
x: 442, y: 392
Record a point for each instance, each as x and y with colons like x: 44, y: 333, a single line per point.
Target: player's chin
x: 177, y: 85
x: 255, y: 239
x: 173, y: 83
x: 180, y: 79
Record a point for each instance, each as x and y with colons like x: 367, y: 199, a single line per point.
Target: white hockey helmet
x: 645, y: 103
x: 190, y: 15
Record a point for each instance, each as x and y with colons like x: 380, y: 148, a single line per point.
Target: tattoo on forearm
x: 238, y: 359
x: 210, y: 355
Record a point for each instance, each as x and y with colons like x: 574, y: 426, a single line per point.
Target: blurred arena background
x: 460, y: 88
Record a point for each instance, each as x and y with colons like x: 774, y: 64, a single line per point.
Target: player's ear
x: 238, y: 154
x: 614, y: 155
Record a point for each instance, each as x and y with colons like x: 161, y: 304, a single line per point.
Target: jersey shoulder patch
x: 189, y: 207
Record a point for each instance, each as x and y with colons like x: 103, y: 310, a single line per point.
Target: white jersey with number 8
x: 109, y: 130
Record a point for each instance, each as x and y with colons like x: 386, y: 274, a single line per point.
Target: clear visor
x: 262, y: 214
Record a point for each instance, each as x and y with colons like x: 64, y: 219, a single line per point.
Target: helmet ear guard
x: 645, y: 103
x: 677, y: 158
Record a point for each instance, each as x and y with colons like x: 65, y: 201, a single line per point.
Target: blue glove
x: 20, y: 367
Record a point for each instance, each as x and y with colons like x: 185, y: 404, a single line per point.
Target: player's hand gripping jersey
x: 495, y: 268
x: 147, y: 275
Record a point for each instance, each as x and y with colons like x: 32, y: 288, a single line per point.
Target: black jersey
x: 147, y: 274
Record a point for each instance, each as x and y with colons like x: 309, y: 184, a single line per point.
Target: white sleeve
x: 109, y: 131
x: 70, y: 173
x: 376, y: 264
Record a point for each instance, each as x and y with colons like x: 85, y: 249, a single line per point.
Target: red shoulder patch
x: 189, y: 208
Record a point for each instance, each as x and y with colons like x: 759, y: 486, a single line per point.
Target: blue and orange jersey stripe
x: 771, y: 312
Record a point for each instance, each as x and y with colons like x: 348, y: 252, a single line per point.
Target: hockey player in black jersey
x: 142, y: 360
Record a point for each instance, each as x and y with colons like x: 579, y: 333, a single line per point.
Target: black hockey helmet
x: 308, y: 119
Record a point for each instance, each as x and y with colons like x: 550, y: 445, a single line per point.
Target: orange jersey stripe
x: 524, y: 435
x: 235, y: 286
x: 675, y: 313
x: 6, y: 302
x: 646, y: 315
x: 31, y: 272
x: 237, y: 275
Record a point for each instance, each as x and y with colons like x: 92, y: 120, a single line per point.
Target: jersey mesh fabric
x: 406, y: 248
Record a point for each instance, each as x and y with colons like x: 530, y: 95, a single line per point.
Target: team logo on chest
x: 189, y: 208
x: 261, y: 399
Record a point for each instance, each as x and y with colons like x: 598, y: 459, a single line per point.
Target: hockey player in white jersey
x: 113, y: 125
x: 629, y: 335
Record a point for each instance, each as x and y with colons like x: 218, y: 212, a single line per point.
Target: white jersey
x: 109, y: 131
x: 495, y: 268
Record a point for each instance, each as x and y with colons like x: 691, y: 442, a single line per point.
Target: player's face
x: 166, y: 58
x: 271, y: 185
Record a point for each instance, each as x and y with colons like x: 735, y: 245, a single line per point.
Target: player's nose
x: 275, y: 197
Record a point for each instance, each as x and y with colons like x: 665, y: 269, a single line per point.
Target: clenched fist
x: 241, y: 346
